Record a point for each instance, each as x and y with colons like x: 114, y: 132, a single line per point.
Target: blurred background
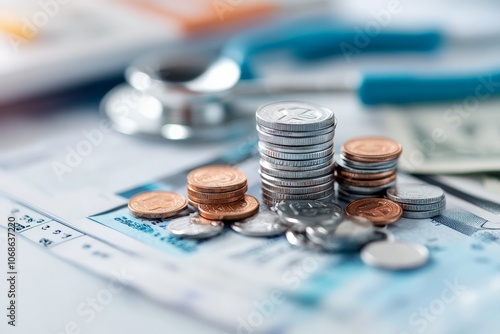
x: 381, y: 56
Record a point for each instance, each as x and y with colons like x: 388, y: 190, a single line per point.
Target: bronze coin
x: 380, y: 211
x: 366, y: 183
x: 372, y: 149
x: 358, y: 176
x: 193, y: 204
x: 244, y: 208
x: 215, y: 201
x: 216, y: 179
x: 157, y: 204
x: 192, y: 193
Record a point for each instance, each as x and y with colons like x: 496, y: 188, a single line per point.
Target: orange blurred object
x: 207, y: 15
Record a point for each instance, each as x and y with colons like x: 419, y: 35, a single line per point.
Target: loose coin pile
x: 366, y: 167
x: 215, y: 185
x: 319, y: 225
x: 418, y: 200
x: 296, y: 150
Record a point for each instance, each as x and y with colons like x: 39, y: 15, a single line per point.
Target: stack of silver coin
x: 366, y: 167
x: 418, y: 200
x: 296, y: 150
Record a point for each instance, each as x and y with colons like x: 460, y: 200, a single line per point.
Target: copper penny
x: 157, y: 204
x: 366, y: 183
x: 357, y: 176
x: 372, y: 149
x: 192, y: 193
x: 216, y: 179
x: 215, y: 201
x: 244, y: 208
x: 380, y: 211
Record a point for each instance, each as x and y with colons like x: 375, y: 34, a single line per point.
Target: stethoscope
x: 181, y: 97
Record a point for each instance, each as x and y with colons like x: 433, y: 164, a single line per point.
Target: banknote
x: 462, y: 137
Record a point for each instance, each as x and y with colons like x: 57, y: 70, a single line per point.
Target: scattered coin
x: 216, y: 179
x: 194, y: 227
x: 379, y: 211
x: 302, y: 213
x: 299, y: 239
x: 263, y: 224
x: 157, y: 204
x: 395, y: 255
x: 347, y: 234
x: 244, y: 208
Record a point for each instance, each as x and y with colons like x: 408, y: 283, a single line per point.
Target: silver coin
x: 340, y: 164
x: 263, y: 224
x: 297, y: 190
x: 299, y: 141
x: 366, y: 190
x: 295, y: 149
x: 368, y: 165
x: 308, y: 212
x: 348, y: 197
x: 273, y: 202
x: 296, y: 156
x: 297, y: 163
x: 194, y: 227
x: 269, y: 165
x: 297, y: 182
x: 424, y: 207
x: 270, y: 202
x: 295, y: 116
x: 395, y: 255
x: 415, y: 193
x: 422, y: 214
x: 326, y: 170
x: 283, y: 133
x: 299, y: 239
x: 347, y: 234
x: 310, y: 196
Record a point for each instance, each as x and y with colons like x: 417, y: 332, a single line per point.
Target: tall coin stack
x: 296, y: 150
x: 216, y: 185
x: 366, y: 167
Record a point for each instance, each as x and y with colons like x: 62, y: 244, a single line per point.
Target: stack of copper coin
x: 215, y: 185
x: 296, y: 151
x: 367, y: 167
